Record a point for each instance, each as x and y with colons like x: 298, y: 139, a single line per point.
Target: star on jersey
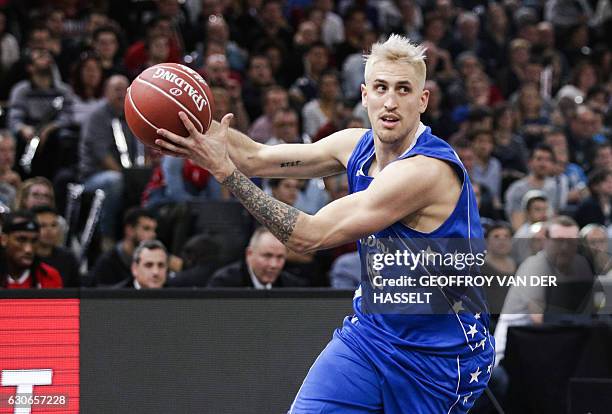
x: 489, y: 367
x: 485, y: 331
x: 466, y: 398
x: 475, y: 375
x: 473, y: 331
x: 482, y: 344
x: 477, y: 316
x: 458, y: 306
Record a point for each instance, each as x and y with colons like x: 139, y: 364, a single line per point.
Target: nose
x: 391, y: 101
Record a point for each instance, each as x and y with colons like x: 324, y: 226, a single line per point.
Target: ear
x: 134, y: 268
x: 423, y: 101
x: 3, y: 239
x: 364, y: 96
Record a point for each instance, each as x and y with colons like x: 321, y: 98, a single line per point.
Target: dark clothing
x: 197, y: 276
x: 41, y: 276
x: 111, y: 268
x: 236, y: 275
x: 589, y: 211
x: 64, y: 261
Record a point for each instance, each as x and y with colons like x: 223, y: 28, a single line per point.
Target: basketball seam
x: 167, y: 95
x: 197, y: 82
x: 138, y: 112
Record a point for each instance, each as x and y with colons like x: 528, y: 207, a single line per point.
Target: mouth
x: 389, y: 120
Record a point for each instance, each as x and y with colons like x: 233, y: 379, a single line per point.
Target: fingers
x: 169, y: 148
x: 225, y: 122
x: 188, y: 124
x: 172, y: 137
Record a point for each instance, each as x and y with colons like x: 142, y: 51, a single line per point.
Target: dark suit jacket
x: 237, y: 275
x: 589, y: 211
x: 110, y: 269
x: 197, y: 276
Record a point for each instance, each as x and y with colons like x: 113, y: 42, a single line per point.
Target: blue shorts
x: 344, y: 379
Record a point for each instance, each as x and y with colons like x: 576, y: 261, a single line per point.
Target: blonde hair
x: 398, y: 49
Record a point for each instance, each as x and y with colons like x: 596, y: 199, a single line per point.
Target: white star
x: 475, y: 375
x: 477, y: 316
x: 465, y: 399
x: 482, y: 344
x: 473, y: 331
x: 489, y: 368
x: 458, y: 306
x: 485, y: 331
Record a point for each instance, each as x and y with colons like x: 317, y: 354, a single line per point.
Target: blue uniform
x: 429, y: 362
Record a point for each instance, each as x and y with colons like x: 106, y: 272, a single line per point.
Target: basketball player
x: 404, y: 183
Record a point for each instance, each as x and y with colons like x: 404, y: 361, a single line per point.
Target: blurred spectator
x: 262, y: 267
x: 402, y: 17
x: 494, y: 47
x: 137, y: 54
x: 345, y: 272
x: 525, y: 305
x: 531, y: 116
x: 149, y: 267
x: 355, y: 25
x: 34, y: 192
x: 438, y: 119
x: 274, y: 26
x: 597, y: 208
x: 199, y: 256
x: 19, y: 266
x: 217, y: 31
x: 9, y: 179
x: 602, y: 157
x: 105, y: 43
x: 596, y: 248
x: 319, y: 111
x: 101, y: 160
x: 113, y: 266
x: 332, y: 30
x: 305, y: 88
x: 274, y: 98
x: 511, y: 76
x: 228, y: 99
x: 39, y: 107
x: 573, y: 173
x: 285, y: 127
x: 510, y: 148
x: 439, y: 63
x: 468, y: 65
x: 498, y: 261
x: 9, y: 48
x: 49, y: 248
x: 259, y: 77
x: 467, y: 28
x: 86, y: 82
x: 487, y: 169
x: 539, y: 178
x: 536, y: 208
x: 583, y: 136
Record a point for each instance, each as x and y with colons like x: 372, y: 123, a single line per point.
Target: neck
x: 41, y: 81
x: 15, y: 271
x: 388, y: 152
x: 537, y: 180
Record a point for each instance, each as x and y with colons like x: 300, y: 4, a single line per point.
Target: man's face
x: 217, y: 70
x: 38, y: 195
x: 329, y: 87
x: 583, y: 124
x: 499, y: 241
x: 541, y: 164
x: 596, y: 241
x: 260, y: 72
x: 41, y: 61
x: 538, y: 211
x: 285, y: 126
x: 394, y: 100
x: 106, y: 45
x: 275, y: 100
x: 287, y: 191
x: 266, y: 258
x: 483, y: 145
x: 115, y: 92
x: 604, y: 188
x: 49, y: 229
x: 603, y: 159
x: 145, y: 229
x: 318, y: 59
x: 562, y: 244
x: 19, y: 248
x: 7, y: 153
x: 151, y: 270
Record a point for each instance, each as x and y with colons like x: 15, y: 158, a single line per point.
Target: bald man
x: 101, y: 155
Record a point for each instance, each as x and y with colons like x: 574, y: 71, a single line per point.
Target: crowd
x: 521, y: 90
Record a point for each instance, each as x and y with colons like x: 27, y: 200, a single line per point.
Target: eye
x: 404, y: 89
x: 380, y: 87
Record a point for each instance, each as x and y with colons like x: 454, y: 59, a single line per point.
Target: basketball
x: 159, y: 93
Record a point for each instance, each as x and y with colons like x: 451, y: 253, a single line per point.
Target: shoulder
x: 342, y: 143
x: 20, y: 88
x: 49, y: 276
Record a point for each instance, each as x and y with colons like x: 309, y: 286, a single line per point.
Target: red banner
x: 39, y: 356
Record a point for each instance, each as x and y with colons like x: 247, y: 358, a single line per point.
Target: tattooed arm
x: 325, y: 157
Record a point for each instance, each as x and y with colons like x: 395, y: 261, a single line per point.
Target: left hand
x: 208, y: 150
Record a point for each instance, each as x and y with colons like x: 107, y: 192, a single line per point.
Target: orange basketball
x: 156, y: 96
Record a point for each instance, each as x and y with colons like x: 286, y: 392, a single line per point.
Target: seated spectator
x: 19, y: 266
x: 305, y: 88
x: 597, y: 208
x: 113, y: 266
x: 531, y: 116
x: 583, y: 136
x: 34, y: 192
x: 319, y: 111
x: 87, y: 82
x: 275, y: 98
x: 258, y: 79
x: 49, y: 248
x: 345, y: 272
x: 39, y: 107
x: 101, y: 160
x: 199, y: 261
x: 498, y: 261
x: 8, y: 46
x: 435, y: 117
x: 137, y: 54
x: 539, y: 178
x: 510, y: 148
x: 10, y: 180
x: 572, y: 173
x: 285, y: 127
x: 487, y: 169
x: 262, y: 267
x: 596, y: 248
x: 149, y: 267
x: 105, y: 44
x: 537, y: 210
x: 229, y: 99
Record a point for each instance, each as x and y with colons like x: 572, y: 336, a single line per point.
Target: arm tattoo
x: 290, y: 164
x: 277, y: 216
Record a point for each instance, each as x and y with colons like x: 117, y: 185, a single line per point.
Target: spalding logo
x: 181, y: 83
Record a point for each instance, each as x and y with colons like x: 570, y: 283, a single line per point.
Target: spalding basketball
x: 159, y: 93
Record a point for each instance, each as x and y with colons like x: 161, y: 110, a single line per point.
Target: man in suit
x: 262, y: 268
x: 149, y: 266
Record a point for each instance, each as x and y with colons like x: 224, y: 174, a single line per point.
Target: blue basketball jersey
x: 463, y: 326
